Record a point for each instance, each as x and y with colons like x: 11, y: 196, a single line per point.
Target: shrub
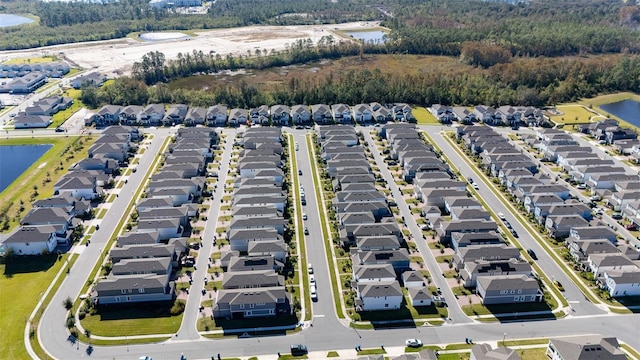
x: 177, y: 308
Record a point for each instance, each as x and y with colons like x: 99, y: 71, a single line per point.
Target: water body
x: 370, y: 37
x: 15, y: 159
x: 627, y: 110
x: 7, y: 20
x: 164, y: 36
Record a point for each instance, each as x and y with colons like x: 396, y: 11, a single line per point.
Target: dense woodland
x: 537, y: 52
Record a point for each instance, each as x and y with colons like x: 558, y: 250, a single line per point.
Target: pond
x: 369, y: 37
x: 15, y: 159
x: 7, y: 20
x: 627, y: 110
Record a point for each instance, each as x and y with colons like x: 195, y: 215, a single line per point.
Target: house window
x: 251, y: 306
x: 519, y: 291
x: 123, y: 291
x: 130, y: 291
x: 386, y: 305
x: 117, y: 298
x: 504, y: 292
x: 141, y: 290
x: 247, y: 313
x: 241, y: 306
x: 513, y: 291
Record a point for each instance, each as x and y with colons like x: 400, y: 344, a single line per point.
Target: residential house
x: 341, y: 113
x: 443, y: 113
x: 621, y: 283
x: 175, y: 114
x: 130, y: 115
x: 599, y: 263
x: 152, y: 114
x: 419, y: 296
x: 217, y: 115
x: 30, y: 240
x: 195, y: 116
x: 508, y: 289
x: 300, y: 114
x: 584, y: 347
x: 362, y: 113
x: 256, y: 302
x: 259, y: 115
x: 379, y: 296
x: 280, y: 115
x: 321, y: 114
x: 485, y: 352
x: 133, y: 288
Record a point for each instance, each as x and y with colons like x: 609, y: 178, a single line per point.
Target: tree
x: 67, y: 303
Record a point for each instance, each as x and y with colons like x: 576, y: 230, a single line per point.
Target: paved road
x: 455, y: 312
x: 327, y: 333
x: 573, y: 294
x: 323, y: 310
x: 51, y: 330
x: 188, y: 329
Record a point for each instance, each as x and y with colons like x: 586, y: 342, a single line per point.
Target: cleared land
x: 119, y: 55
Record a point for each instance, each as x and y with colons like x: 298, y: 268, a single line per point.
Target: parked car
x: 306, y: 230
x: 312, y: 279
x: 304, y: 202
x: 514, y: 233
x: 59, y: 129
x: 581, y: 186
x: 413, y: 343
x: 632, y: 227
x: 475, y: 186
x: 299, y: 350
x: 300, y: 172
x: 304, y: 216
x: 313, y: 292
x: 616, y: 216
x: 532, y: 254
x: 507, y: 224
x: 501, y: 216
x: 310, y: 268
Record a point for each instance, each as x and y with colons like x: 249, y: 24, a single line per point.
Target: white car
x: 304, y: 216
x: 310, y: 268
x: 312, y: 279
x: 475, y: 186
x: 313, y: 293
x: 501, y: 216
x: 414, y: 343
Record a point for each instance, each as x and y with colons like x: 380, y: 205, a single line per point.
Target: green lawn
x: 32, y: 60
x: 573, y: 114
x: 132, y: 320
x: 424, y: 117
x: 62, y: 116
x: 23, y: 282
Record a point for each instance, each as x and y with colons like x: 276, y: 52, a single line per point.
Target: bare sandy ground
x: 117, y: 56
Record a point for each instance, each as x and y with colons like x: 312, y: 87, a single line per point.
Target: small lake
x: 627, y: 110
x: 7, y: 20
x: 15, y: 159
x: 369, y: 37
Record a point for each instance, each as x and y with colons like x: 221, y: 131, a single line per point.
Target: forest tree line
x: 432, y: 27
x: 523, y: 81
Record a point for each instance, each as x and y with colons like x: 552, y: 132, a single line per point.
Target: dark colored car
x: 59, y: 129
x: 616, y: 216
x: 299, y: 350
x: 532, y: 254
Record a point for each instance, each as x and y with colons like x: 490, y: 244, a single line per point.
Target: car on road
x: 300, y: 172
x: 631, y: 227
x: 514, y: 233
x: 470, y: 180
x: 299, y: 350
x: 475, y: 186
x: 312, y: 279
x: 304, y: 216
x: 616, y: 216
x: 501, y: 216
x: 306, y: 230
x: 304, y: 201
x: 413, y: 343
x: 313, y: 292
x: 310, y: 268
x: 145, y: 358
x: 532, y: 254
x: 507, y: 224
x: 59, y: 129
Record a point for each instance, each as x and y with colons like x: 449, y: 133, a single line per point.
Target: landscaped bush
x: 177, y: 308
